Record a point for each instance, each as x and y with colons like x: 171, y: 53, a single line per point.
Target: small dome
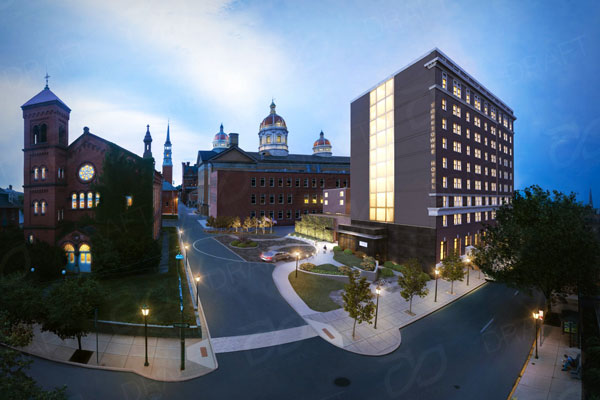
x: 221, y: 140
x: 273, y: 120
x: 322, y: 146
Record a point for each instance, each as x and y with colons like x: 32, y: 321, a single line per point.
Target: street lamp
x: 64, y: 274
x: 186, y: 247
x: 536, y: 317
x: 297, y: 255
x: 468, y: 261
x: 437, y: 275
x: 378, y: 291
x: 145, y: 312
x: 197, y: 293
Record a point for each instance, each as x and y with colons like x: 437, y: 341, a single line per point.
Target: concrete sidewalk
x: 543, y: 377
x: 127, y: 353
x: 336, y: 326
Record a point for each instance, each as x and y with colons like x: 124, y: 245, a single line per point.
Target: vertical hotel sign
x: 432, y: 143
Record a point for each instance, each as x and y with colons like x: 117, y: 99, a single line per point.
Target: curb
x: 512, y: 392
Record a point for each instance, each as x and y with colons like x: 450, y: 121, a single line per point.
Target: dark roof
x: 300, y: 158
x: 204, y: 155
x: 44, y: 97
x: 167, y: 187
x: 4, y: 203
x: 86, y: 133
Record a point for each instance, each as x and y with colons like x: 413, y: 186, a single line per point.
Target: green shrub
x: 392, y: 265
x: 344, y: 269
x: 337, y: 248
x: 235, y: 243
x: 252, y: 244
x: 368, y: 264
x: 386, y: 273
x: 388, y: 264
x: 360, y: 254
x: 307, y: 266
x: 327, y: 267
x: 348, y: 251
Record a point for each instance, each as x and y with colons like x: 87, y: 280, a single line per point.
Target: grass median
x: 314, y: 290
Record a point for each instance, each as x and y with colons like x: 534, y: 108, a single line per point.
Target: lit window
x: 444, y: 143
x: 305, y: 199
x: 444, y: 123
x: 43, y: 208
x: 456, y: 146
x: 90, y: 200
x: 128, y: 201
x: 456, y: 89
x: 268, y: 139
x: 341, y: 202
x: 444, y: 162
x: 477, y: 169
x: 74, y: 201
x: 81, y: 200
x: 314, y: 199
x: 468, y: 96
x: 444, y: 220
x: 458, y: 201
x: 43, y: 173
x: 444, y: 201
x: 97, y: 199
x: 477, y: 103
x: 456, y: 110
x: 477, y: 122
x: 485, y: 108
x: 86, y: 172
x: 468, y: 117
x: 456, y: 128
x: 342, y: 194
x: 444, y: 80
x: 326, y: 202
x: 457, y: 165
x: 36, y: 208
x: 326, y: 194
x: 278, y: 139
x: 444, y: 182
x: 36, y: 174
x: 477, y: 153
x: 468, y: 167
x: 457, y: 183
x: 457, y: 219
x: 444, y: 104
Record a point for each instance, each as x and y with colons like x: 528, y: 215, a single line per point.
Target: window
x: 36, y: 208
x: 493, y: 112
x: 485, y: 126
x: 305, y: 199
x: 36, y: 174
x: 457, y: 183
x: 252, y: 214
x: 444, y: 182
x: 477, y: 121
x: 262, y: 182
x: 90, y: 200
x: 278, y: 138
x: 314, y: 182
x: 253, y: 182
x: 289, y: 199
x: 456, y: 147
x: 297, y: 182
x: 444, y: 201
x: 263, y: 198
x: 456, y: 110
x: 271, y: 214
x: 305, y: 182
x: 271, y: 199
x: 280, y: 182
x: 326, y: 202
x: 444, y: 143
x: 458, y: 201
x: 478, y: 186
x: 444, y: 80
x: 280, y: 214
x: 444, y: 104
x: 337, y: 183
x: 86, y: 172
x: 477, y: 137
x: 297, y: 214
x: 477, y: 169
x: 74, y: 201
x: 272, y: 182
x: 486, y: 171
x: 314, y: 199
x: 477, y: 103
x: 468, y: 167
x: 341, y: 202
x: 326, y: 194
x: 288, y: 182
x: 468, y: 184
x: 478, y: 217
x: 468, y: 150
x: 128, y: 201
x: 444, y: 220
x: 322, y: 182
x: 468, y: 222
x: 456, y: 89
x: 468, y: 134
x: 456, y: 128
x: 444, y: 162
x: 268, y: 139
x: 457, y: 165
x: 280, y: 198
x: 485, y: 108
x: 288, y: 214
x: 82, y: 200
x: 468, y: 116
x: 253, y: 198
x: 468, y: 96
x: 341, y: 194
x: 444, y: 123
x: 43, y: 169
x: 477, y: 153
x: 262, y: 213
x: 457, y: 219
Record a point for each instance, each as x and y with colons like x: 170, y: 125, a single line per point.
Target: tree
x: 262, y: 221
x: 453, y: 269
x: 413, y: 281
x: 358, y: 300
x: 210, y: 221
x: 69, y: 306
x: 255, y: 224
x: 236, y: 223
x: 247, y: 224
x: 20, y: 304
x: 541, y: 241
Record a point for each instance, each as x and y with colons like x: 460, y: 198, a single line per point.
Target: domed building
x: 322, y: 146
x: 220, y: 141
x: 272, y: 135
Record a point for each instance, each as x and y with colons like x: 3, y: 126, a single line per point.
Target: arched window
x: 36, y: 208
x: 43, y: 136
x: 43, y: 169
x: 43, y: 208
x: 62, y: 135
x: 90, y: 200
x: 70, y: 252
x: 268, y: 139
x: 278, y: 138
x: 36, y: 173
x: 81, y: 200
x: 74, y: 201
x: 85, y: 258
x: 97, y: 199
x: 36, y: 134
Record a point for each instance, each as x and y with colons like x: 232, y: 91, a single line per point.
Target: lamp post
x: 197, y: 293
x: 468, y: 260
x: 536, y: 317
x: 378, y: 291
x: 437, y: 275
x: 64, y: 274
x: 297, y: 256
x: 186, y: 247
x: 541, y: 333
x: 145, y: 312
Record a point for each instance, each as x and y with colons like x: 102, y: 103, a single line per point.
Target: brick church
x: 58, y: 177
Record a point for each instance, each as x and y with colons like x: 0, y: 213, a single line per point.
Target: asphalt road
x: 238, y: 298
x: 443, y: 356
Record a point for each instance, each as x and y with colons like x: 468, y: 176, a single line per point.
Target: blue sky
x: 122, y: 65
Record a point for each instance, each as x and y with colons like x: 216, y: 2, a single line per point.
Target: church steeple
x: 147, y: 143
x: 167, y: 167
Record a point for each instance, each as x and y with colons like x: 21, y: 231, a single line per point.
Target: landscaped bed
x: 314, y: 290
x: 326, y: 269
x: 347, y: 259
x: 124, y: 296
x: 252, y: 254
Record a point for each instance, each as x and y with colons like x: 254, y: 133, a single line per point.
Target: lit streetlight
x: 186, y: 247
x: 297, y: 256
x: 64, y: 274
x: 197, y: 278
x: 378, y: 291
x: 145, y: 312
x: 537, y: 316
x: 437, y: 275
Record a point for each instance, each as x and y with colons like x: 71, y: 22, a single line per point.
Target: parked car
x: 274, y: 256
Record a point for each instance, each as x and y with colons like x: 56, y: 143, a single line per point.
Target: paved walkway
x: 543, y: 378
x: 336, y: 326
x: 260, y: 340
x: 127, y: 353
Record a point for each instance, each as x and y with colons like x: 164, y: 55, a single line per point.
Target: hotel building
x: 433, y: 150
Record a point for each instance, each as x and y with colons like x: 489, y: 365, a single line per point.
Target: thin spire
x: 46, y: 77
x: 168, y: 133
x: 221, y: 128
x: 272, y: 105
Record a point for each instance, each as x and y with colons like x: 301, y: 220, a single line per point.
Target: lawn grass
x: 347, y: 259
x: 124, y: 296
x: 314, y: 290
x: 327, y: 267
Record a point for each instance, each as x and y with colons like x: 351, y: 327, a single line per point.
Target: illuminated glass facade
x: 381, y: 153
